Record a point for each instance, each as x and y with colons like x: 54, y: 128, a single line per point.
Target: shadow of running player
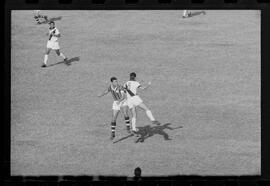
x: 192, y: 14
x: 67, y: 62
x: 149, y: 131
x: 48, y: 20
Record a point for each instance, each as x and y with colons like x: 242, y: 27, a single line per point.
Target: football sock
x: 113, y: 126
x: 133, y: 123
x: 45, y: 59
x: 149, y: 115
x: 62, y: 55
x: 127, y: 122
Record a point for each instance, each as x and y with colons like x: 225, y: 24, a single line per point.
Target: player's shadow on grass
x: 51, y: 19
x: 68, y: 62
x: 55, y: 18
x: 149, y: 131
x: 192, y: 14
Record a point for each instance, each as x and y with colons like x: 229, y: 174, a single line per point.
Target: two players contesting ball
x: 126, y: 97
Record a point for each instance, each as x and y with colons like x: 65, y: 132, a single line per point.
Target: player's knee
x: 114, y: 119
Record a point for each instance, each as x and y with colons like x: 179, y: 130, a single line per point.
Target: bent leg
x: 133, y: 119
x: 147, y: 111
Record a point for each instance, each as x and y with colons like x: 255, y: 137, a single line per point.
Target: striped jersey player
x: 134, y: 100
x: 119, y: 96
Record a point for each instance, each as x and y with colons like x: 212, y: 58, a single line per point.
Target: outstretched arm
x: 145, y: 87
x: 57, y: 35
x: 103, y: 93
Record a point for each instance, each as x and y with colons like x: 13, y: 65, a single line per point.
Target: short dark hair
x: 51, y: 22
x: 138, y: 172
x: 113, y: 78
x: 132, y: 75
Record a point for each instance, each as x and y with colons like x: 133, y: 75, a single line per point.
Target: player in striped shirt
x: 134, y: 100
x: 118, y: 93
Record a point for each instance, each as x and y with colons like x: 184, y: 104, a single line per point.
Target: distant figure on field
x: 186, y: 14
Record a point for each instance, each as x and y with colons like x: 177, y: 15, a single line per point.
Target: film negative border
x: 140, y: 4
x: 152, y: 2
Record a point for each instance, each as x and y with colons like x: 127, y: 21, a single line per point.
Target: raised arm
x: 146, y: 86
x: 103, y: 93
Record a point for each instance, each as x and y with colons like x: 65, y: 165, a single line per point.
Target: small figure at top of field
x: 188, y: 13
x: 40, y: 18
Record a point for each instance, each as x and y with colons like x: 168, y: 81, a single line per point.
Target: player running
x: 52, y: 43
x: 134, y: 100
x: 186, y: 14
x: 119, y: 96
x: 38, y: 17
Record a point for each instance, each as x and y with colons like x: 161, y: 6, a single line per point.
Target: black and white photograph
x: 107, y: 92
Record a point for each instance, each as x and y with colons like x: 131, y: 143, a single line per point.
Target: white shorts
x: 53, y: 45
x: 134, y: 101
x: 117, y: 106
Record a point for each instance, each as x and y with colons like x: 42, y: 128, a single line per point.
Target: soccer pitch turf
x: 205, y: 73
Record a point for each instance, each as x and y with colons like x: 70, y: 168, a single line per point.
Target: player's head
x: 132, y: 76
x: 138, y: 172
x: 52, y: 24
x: 114, y: 81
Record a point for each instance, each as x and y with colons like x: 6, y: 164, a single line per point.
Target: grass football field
x: 205, y: 73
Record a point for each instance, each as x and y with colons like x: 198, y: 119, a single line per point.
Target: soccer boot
x: 43, y: 65
x: 112, y: 136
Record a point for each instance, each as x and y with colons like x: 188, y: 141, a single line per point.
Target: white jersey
x: 55, y: 31
x: 132, y: 86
